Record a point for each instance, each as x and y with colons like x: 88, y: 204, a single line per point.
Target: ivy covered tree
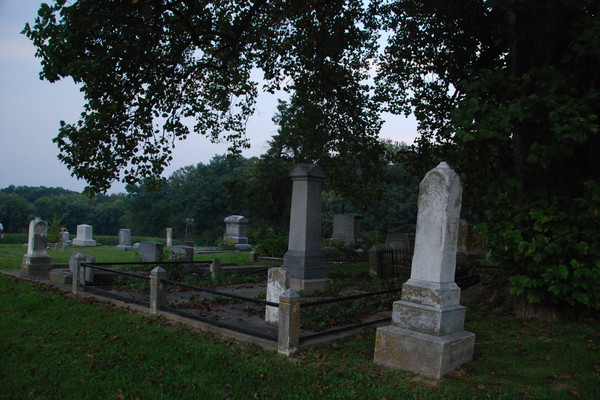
x: 146, y: 68
x: 509, y: 91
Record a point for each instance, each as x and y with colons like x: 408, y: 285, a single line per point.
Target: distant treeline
x: 258, y: 188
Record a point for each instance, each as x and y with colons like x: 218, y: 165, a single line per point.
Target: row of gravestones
x: 426, y: 334
x: 235, y: 233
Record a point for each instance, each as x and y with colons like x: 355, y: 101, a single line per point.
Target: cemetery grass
x: 54, y: 345
x: 11, y: 255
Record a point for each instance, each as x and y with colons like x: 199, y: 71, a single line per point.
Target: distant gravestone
x: 278, y: 281
x: 235, y: 231
x: 169, y: 237
x: 64, y: 239
x: 304, y: 258
x: 470, y: 243
x: 151, y: 251
x: 36, y: 262
x: 124, y: 239
x: 189, y: 232
x: 84, y: 236
x: 182, y: 253
x: 426, y: 335
x: 347, y: 228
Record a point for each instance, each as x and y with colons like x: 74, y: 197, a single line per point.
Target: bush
x: 272, y: 245
x: 552, y: 245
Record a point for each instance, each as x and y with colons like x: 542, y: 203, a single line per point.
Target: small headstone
x: 278, y: 281
x: 151, y: 251
x: 182, y: 253
x: 189, y: 232
x: 235, y: 231
x: 36, y: 262
x: 63, y: 237
x: 84, y: 236
x: 347, y: 228
x: 124, y: 239
x: 426, y: 335
x: 304, y: 258
x: 169, y: 237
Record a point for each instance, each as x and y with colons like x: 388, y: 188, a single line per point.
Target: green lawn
x: 57, y: 346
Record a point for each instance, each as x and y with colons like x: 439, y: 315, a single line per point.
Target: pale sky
x: 31, y: 109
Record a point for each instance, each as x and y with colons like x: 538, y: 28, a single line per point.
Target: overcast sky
x: 30, y: 111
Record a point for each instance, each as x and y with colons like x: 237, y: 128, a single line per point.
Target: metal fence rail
x: 222, y: 324
x: 224, y: 294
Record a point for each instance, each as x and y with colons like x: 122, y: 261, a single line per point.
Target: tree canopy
x: 150, y: 68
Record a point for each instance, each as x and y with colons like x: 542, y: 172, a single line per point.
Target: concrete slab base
x: 432, y: 356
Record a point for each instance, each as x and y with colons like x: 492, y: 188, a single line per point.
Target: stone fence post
x: 158, y: 295
x: 80, y: 273
x: 289, y: 323
x: 215, y: 269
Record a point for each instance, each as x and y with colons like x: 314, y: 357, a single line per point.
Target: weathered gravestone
x: 278, y: 281
x: 36, y: 263
x: 347, y: 228
x: 84, y: 236
x: 426, y: 335
x: 124, y: 239
x: 235, y: 231
x: 304, y: 258
x: 151, y: 251
x: 189, y: 232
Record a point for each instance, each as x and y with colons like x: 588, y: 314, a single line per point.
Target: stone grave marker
x: 151, y: 251
x: 169, y: 237
x: 84, y: 236
x: 426, y: 335
x: 36, y: 262
x: 304, y: 258
x: 235, y: 231
x: 124, y: 239
x: 64, y: 239
x: 347, y: 228
x: 189, y: 232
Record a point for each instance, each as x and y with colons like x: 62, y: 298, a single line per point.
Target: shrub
x: 551, y: 244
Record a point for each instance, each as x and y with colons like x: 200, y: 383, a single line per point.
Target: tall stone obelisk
x: 426, y: 335
x: 304, y: 258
